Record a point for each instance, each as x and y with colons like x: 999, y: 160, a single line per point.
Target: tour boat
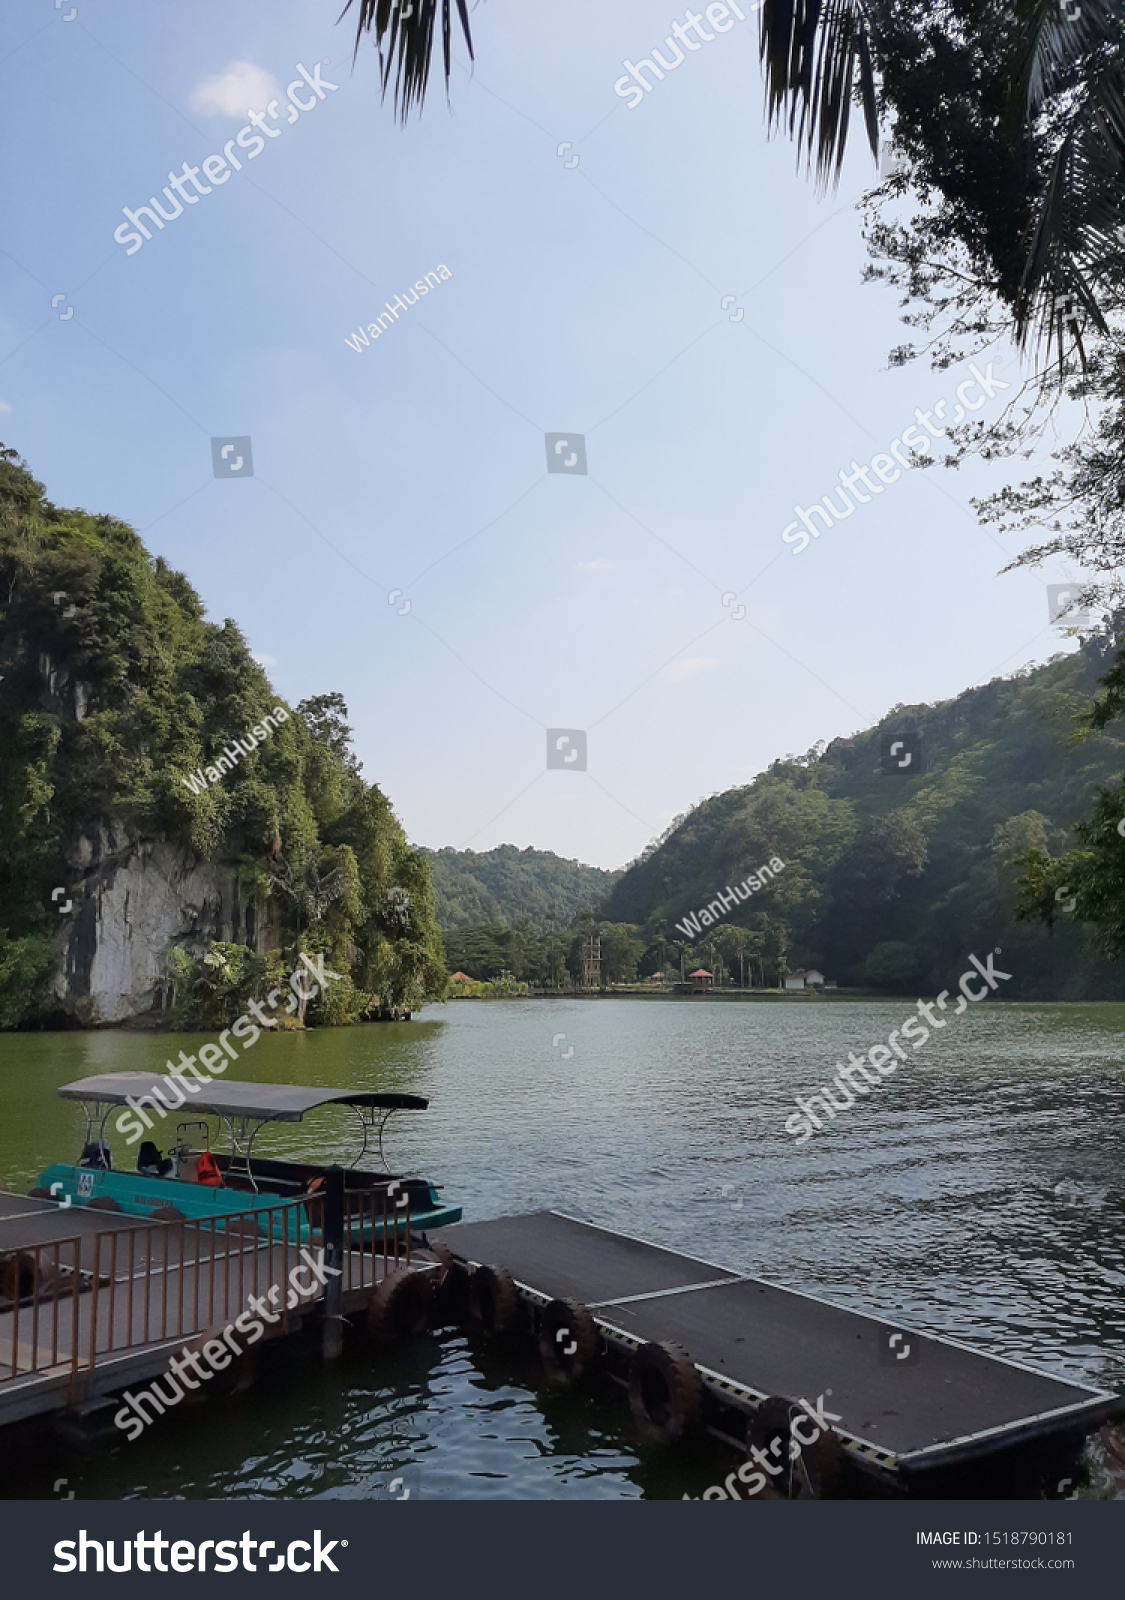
x: 199, y: 1184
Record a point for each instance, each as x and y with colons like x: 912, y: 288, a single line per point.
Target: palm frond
x: 404, y: 37
x: 1056, y: 35
x: 1077, y: 103
x: 816, y: 53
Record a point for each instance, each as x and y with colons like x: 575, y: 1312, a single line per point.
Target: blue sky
x: 584, y: 298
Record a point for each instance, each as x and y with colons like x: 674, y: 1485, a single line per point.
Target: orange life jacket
x: 207, y: 1171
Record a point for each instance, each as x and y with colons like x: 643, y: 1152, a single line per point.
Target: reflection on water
x: 978, y: 1192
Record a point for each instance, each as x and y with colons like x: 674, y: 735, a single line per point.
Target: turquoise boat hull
x: 139, y: 1196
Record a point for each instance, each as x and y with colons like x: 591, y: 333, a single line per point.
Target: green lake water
x: 979, y: 1193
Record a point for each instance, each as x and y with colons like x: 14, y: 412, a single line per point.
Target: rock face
x: 133, y: 902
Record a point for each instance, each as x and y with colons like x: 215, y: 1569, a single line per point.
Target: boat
x: 199, y: 1184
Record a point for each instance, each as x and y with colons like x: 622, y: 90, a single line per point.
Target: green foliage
x: 1085, y: 885
x: 27, y: 967
x: 879, y: 868
x: 621, y: 952
x: 106, y: 711
x: 215, y: 988
x: 505, y: 885
x: 890, y: 965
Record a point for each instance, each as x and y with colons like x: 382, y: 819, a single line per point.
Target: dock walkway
x: 92, y: 1300
x: 915, y: 1404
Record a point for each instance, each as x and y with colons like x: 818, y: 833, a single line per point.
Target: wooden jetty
x: 92, y: 1300
x: 817, y: 1400
x: 917, y: 1415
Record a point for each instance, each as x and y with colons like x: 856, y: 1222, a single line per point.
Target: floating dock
x: 815, y: 1400
x: 93, y: 1300
x: 913, y: 1413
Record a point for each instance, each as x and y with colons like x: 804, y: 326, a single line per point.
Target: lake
x: 978, y: 1192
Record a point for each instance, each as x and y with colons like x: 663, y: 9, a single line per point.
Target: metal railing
x: 70, y: 1304
x: 376, y: 1229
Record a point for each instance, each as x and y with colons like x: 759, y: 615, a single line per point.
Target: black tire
x: 103, y: 1202
x: 451, y: 1288
x: 822, y: 1463
x: 39, y: 1193
x: 400, y: 1306
x: 569, y: 1343
x: 493, y: 1300
x: 19, y: 1278
x: 809, y: 1473
x: 167, y: 1214
x: 665, y: 1393
x: 769, y: 1430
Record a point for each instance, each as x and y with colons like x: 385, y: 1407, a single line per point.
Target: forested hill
x: 509, y: 885
x: 172, y: 838
x: 891, y: 880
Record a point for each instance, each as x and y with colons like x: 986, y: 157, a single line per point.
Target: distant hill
x: 892, y: 880
x: 506, y: 885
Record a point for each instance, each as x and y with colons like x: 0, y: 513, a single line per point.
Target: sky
x: 653, y: 284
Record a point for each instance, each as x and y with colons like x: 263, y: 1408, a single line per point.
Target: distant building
x: 700, y: 980
x: 460, y: 977
x: 806, y: 978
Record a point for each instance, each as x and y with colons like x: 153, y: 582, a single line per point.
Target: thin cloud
x: 598, y: 565
x: 241, y: 87
x: 690, y: 666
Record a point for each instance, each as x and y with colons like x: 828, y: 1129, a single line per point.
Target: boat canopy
x: 257, y: 1102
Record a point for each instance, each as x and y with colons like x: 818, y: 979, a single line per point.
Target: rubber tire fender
x: 18, y: 1277
x: 400, y: 1306
x: 167, y: 1214
x: 451, y: 1288
x: 822, y: 1462
x: 103, y: 1202
x: 770, y: 1424
x: 570, y: 1346
x: 665, y: 1393
x: 493, y: 1300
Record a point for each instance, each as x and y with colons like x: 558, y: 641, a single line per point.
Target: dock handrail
x: 69, y: 1304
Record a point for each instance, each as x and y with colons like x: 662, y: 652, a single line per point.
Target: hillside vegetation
x: 507, y: 885
x: 113, y: 689
x: 891, y: 880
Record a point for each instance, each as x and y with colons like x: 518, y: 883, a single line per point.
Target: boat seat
x: 96, y: 1154
x: 150, y: 1163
